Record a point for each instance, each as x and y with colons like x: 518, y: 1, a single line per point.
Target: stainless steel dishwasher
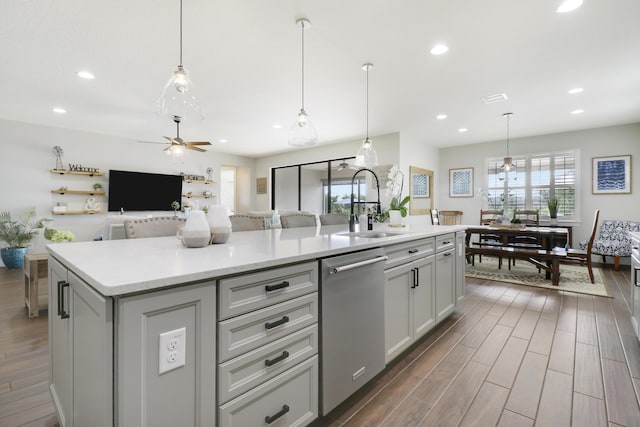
x: 352, y: 334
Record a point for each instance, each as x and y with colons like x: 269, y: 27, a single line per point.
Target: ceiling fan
x: 178, y: 142
x: 343, y: 165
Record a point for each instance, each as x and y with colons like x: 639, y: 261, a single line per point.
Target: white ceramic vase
x: 395, y: 218
x: 195, y: 233
x: 219, y: 224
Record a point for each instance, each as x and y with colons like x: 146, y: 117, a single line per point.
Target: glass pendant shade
x: 508, y: 164
x: 303, y: 133
x: 366, y: 157
x: 178, y: 97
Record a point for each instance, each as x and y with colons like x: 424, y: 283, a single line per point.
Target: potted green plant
x: 175, y: 206
x: 553, y: 207
x: 17, y: 235
x: 97, y: 186
x: 397, y: 207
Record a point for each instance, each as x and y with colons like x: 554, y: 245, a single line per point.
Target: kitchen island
x: 149, y: 332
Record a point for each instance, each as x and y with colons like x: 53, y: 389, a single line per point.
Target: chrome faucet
x: 353, y: 218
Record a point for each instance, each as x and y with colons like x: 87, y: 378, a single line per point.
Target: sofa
x: 613, y: 240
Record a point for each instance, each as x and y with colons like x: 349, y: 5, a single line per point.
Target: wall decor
x: 420, y: 190
x: 461, y: 182
x: 261, y: 185
x: 611, y: 175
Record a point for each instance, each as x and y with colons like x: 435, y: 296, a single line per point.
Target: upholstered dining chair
x: 333, y: 219
x: 247, y: 223
x: 297, y: 220
x: 157, y: 226
x: 583, y: 257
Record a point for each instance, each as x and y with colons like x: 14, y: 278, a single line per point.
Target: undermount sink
x: 371, y: 234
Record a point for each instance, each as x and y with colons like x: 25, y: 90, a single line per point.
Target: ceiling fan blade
x: 196, y: 149
x: 152, y: 142
x: 171, y: 140
x: 198, y: 143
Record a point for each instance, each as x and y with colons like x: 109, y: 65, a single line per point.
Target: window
x: 537, y: 178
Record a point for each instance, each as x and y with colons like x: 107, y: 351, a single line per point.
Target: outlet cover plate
x: 171, y: 354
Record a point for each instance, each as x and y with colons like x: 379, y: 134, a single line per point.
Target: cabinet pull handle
x: 272, y: 325
x: 269, y: 419
x: 413, y: 251
x: 448, y: 254
x: 61, y: 310
x: 282, y: 285
x: 417, y: 277
x: 446, y: 242
x: 635, y: 247
x: 635, y: 276
x: 272, y: 362
x: 413, y: 278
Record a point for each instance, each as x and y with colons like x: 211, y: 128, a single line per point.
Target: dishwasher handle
x: 336, y: 270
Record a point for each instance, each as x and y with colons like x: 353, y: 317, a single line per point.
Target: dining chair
x: 487, y: 239
x: 157, y: 226
x: 298, y: 220
x: 333, y: 219
x: 247, y: 223
x: 583, y: 257
x: 526, y: 217
x: 450, y: 217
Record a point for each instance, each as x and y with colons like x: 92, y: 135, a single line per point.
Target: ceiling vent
x: 492, y: 99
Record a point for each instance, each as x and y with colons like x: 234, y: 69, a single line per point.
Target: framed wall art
x: 461, y: 182
x: 261, y: 185
x: 420, y: 190
x: 611, y: 175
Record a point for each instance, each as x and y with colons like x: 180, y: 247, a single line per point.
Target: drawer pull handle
x: 282, y: 285
x: 272, y: 362
x: 446, y: 242
x: 635, y: 248
x: 448, y: 254
x: 272, y: 325
x: 269, y: 419
x: 413, y: 251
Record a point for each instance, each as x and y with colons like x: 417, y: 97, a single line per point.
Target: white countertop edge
x: 121, y: 267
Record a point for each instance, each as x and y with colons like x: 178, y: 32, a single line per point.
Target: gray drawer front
x: 249, y: 331
x: 250, y: 292
x: 241, y: 374
x: 445, y: 241
x: 296, y: 388
x: 405, y: 252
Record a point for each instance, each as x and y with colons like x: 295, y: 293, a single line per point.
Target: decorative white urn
x: 219, y: 224
x: 195, y: 233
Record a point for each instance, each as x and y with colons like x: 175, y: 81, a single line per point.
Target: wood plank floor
x: 509, y: 356
x: 513, y: 356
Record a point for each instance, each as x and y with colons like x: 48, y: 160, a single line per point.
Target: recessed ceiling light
x: 577, y: 111
x: 575, y: 90
x: 277, y: 126
x: 441, y: 116
x: 497, y: 97
x: 223, y: 141
x: 85, y: 75
x: 568, y: 6
x: 462, y: 130
x: 59, y: 110
x: 439, y: 49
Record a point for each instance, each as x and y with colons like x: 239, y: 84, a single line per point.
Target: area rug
x: 572, y: 278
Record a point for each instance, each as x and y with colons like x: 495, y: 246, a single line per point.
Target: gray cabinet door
x: 445, y: 289
x: 424, y: 317
x: 92, y: 331
x: 60, y: 361
x: 398, y: 310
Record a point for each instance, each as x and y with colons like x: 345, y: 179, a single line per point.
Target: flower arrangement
x: 58, y: 236
x: 394, y: 189
x: 175, y: 206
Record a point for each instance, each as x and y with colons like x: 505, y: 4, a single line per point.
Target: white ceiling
x: 244, y: 57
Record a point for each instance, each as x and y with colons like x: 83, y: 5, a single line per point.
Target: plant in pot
x: 553, y: 208
x: 397, y: 207
x: 17, y: 235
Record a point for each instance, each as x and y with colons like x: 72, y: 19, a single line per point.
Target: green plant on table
x: 553, y: 207
x: 57, y: 236
x: 18, y: 234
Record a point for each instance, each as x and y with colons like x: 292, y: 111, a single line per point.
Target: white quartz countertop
x: 120, y: 267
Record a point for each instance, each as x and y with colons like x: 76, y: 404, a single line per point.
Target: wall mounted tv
x: 140, y: 191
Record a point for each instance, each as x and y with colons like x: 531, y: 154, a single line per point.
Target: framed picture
x: 461, y: 182
x: 420, y: 190
x: 611, y: 175
x: 261, y: 185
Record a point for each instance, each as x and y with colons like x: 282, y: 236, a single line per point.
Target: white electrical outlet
x: 171, y: 354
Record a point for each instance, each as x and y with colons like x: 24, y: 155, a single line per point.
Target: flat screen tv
x: 140, y: 191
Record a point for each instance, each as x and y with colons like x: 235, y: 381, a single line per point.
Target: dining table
x: 547, y: 236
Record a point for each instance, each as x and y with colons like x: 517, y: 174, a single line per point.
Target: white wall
x: 27, y: 157
x: 609, y: 141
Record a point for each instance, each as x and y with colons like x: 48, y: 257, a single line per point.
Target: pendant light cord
x: 302, y: 29
x: 181, y: 33
x: 367, y: 102
x: 508, y: 118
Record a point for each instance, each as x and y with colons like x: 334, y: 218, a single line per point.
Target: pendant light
x: 366, y: 155
x: 508, y: 164
x: 178, y: 96
x: 303, y: 133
